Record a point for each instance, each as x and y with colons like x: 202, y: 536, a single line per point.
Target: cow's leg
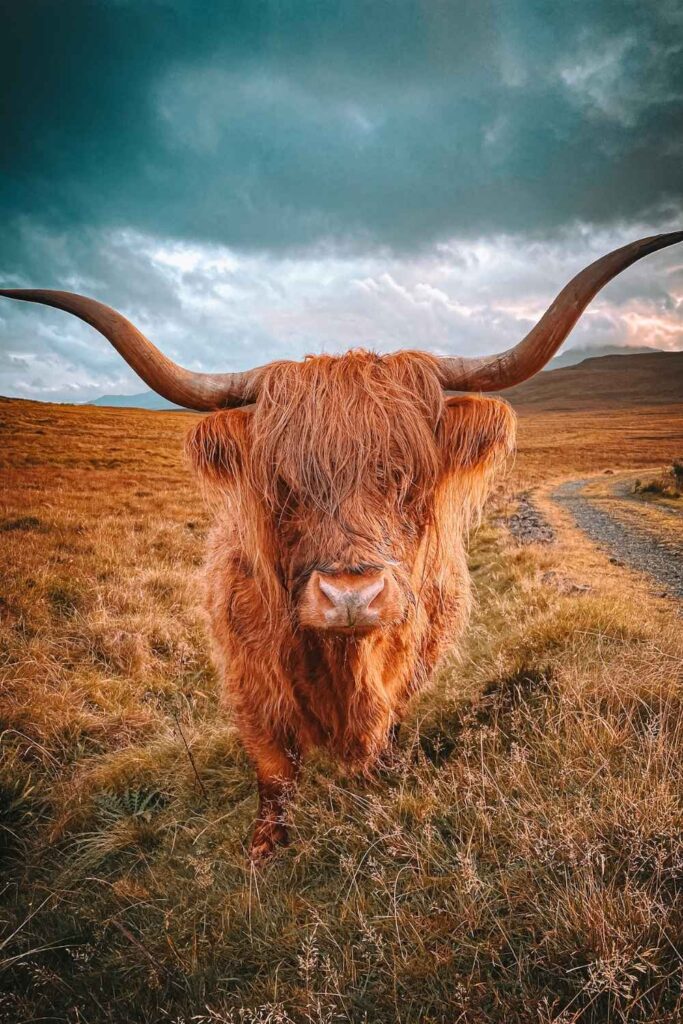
x: 276, y: 772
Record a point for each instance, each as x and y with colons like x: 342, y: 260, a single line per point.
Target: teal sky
x: 256, y: 180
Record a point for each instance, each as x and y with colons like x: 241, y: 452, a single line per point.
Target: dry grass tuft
x: 520, y: 863
x: 668, y: 484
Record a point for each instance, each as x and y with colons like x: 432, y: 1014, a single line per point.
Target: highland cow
x: 336, y: 577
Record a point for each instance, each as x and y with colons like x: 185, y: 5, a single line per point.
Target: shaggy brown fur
x: 348, y: 464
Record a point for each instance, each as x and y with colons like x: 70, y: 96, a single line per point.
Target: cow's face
x: 340, y: 475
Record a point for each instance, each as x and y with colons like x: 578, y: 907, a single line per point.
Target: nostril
x: 370, y: 594
x: 332, y: 593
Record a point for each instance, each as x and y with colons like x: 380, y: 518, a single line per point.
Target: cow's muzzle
x: 350, y: 602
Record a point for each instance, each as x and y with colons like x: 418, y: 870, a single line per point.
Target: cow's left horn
x: 493, y: 373
x: 201, y: 391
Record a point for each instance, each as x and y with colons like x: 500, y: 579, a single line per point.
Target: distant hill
x: 150, y: 400
x: 608, y: 382
x: 577, y: 355
x: 145, y: 400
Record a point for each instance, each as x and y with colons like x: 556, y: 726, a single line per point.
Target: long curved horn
x: 494, y: 373
x: 200, y: 391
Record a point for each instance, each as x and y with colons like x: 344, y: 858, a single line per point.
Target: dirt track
x: 656, y: 554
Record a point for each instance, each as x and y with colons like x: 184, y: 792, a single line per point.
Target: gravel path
x: 661, y: 560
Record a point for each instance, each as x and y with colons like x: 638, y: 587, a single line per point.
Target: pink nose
x: 351, y: 601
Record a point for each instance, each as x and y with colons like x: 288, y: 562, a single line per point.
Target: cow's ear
x: 217, y: 446
x: 476, y: 431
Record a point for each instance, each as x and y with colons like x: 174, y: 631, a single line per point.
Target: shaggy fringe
x: 331, y: 427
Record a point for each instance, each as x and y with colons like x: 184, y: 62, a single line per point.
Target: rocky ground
x: 527, y: 525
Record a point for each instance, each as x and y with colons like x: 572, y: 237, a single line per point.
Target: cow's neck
x: 347, y: 685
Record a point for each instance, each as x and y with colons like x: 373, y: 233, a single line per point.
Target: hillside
x: 572, y: 356
x: 606, y: 382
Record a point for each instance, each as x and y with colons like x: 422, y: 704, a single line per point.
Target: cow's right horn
x: 200, y: 391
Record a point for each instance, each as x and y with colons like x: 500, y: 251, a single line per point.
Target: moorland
x: 521, y: 862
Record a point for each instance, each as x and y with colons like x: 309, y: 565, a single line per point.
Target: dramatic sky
x: 256, y: 180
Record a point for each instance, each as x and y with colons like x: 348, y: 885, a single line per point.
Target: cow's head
x: 338, y: 469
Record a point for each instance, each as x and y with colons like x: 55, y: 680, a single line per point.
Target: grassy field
x: 521, y: 863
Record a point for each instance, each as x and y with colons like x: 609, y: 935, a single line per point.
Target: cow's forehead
x: 352, y: 382
x: 335, y: 427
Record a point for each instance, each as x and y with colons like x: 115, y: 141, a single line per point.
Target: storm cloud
x: 276, y: 178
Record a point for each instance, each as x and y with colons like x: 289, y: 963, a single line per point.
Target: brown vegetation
x: 554, y: 445
x: 520, y: 862
x: 668, y: 484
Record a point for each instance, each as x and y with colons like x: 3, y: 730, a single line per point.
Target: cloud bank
x: 253, y: 181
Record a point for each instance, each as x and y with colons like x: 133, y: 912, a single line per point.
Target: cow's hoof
x: 267, y: 837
